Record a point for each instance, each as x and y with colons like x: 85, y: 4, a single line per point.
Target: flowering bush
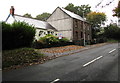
x: 51, y: 41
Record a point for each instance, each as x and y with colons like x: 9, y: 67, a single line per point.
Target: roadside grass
x: 112, y: 41
x: 17, y: 58
x: 21, y: 56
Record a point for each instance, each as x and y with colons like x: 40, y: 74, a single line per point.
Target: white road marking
x: 112, y: 50
x: 92, y: 61
x: 55, y: 81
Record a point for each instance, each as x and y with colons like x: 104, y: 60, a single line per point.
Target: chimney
x: 12, y: 10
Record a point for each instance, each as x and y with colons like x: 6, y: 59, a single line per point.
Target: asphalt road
x: 97, y: 64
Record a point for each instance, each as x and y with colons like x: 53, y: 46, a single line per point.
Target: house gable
x: 70, y: 25
x: 58, y: 14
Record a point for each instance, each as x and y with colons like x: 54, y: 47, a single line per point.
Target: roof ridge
x: 67, y: 10
x: 72, y: 14
x: 28, y: 17
x: 35, y: 22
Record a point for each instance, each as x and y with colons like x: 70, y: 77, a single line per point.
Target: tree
x: 27, y: 15
x: 84, y: 9
x: 117, y: 10
x: 96, y: 19
x: 43, y: 16
x: 71, y: 8
x: 112, y: 32
x: 79, y: 9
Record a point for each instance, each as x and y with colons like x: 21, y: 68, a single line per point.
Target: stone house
x: 42, y: 28
x: 70, y: 25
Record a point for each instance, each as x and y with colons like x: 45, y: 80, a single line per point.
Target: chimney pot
x: 12, y: 10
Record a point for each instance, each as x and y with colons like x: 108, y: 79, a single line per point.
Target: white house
x: 42, y: 27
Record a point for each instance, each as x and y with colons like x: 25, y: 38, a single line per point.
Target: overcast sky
x: 35, y: 7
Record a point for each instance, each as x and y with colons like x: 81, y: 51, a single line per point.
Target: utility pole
x: 83, y: 29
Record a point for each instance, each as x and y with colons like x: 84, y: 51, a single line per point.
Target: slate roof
x: 36, y: 23
x: 73, y: 15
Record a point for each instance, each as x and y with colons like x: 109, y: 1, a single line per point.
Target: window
x: 76, y: 24
x: 40, y: 32
x: 81, y: 24
x: 52, y: 32
x: 44, y: 32
x: 81, y: 34
x: 48, y: 32
x: 76, y: 34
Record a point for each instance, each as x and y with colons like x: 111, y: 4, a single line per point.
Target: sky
x: 35, y: 7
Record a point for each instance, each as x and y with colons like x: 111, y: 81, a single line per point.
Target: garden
x: 18, y: 45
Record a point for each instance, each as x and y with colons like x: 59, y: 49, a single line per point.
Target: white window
x: 40, y: 33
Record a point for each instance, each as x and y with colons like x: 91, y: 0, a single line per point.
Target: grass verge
x: 21, y: 56
x: 112, y: 41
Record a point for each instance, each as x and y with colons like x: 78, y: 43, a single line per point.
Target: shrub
x: 112, y: 32
x: 50, y: 41
x: 18, y: 34
x: 20, y: 56
x: 63, y: 41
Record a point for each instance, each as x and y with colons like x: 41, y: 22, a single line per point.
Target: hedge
x: 16, y: 35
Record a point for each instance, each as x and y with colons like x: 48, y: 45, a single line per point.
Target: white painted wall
x: 44, y: 33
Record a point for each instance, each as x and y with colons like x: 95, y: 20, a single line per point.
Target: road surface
x: 96, y: 64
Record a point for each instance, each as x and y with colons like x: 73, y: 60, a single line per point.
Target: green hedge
x: 18, y: 34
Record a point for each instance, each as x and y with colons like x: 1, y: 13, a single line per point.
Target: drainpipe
x: 83, y: 29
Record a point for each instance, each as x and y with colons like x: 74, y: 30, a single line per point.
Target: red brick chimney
x: 12, y: 10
